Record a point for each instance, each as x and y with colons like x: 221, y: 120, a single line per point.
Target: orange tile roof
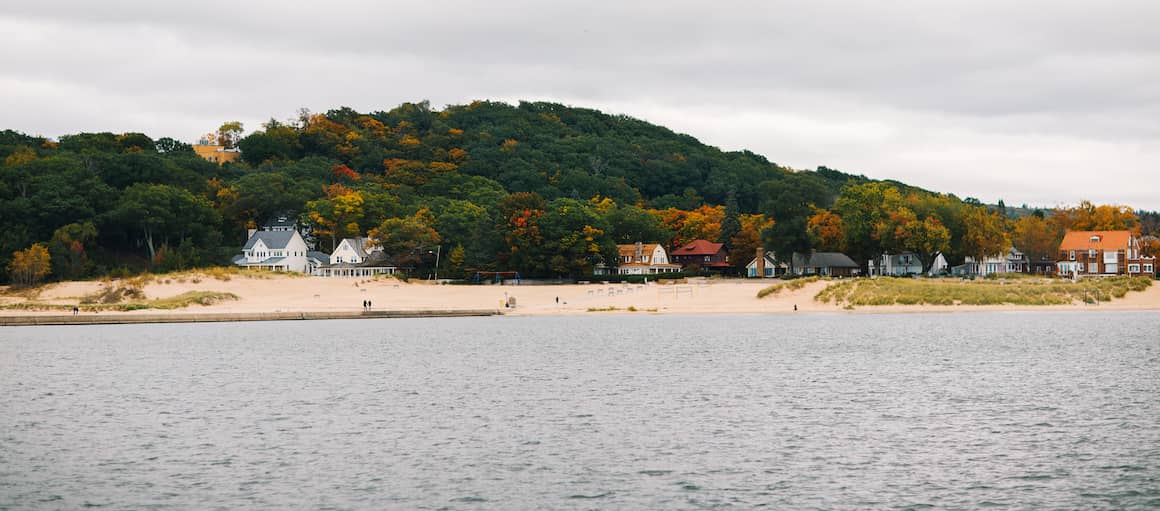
x: 1108, y: 240
x: 630, y: 250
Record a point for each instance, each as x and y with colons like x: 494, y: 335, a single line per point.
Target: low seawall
x: 114, y: 318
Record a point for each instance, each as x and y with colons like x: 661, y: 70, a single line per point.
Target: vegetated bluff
x: 541, y: 188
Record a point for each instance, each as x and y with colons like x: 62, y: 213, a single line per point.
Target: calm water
x: 1021, y: 411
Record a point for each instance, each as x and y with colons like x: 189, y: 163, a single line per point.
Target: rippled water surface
x: 961, y: 411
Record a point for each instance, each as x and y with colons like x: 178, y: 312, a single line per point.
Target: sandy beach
x: 280, y: 294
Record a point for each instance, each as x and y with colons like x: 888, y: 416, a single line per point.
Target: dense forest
x: 540, y: 188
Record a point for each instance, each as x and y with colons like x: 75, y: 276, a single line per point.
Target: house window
x: 1091, y: 253
x: 706, y: 259
x: 1093, y: 268
x: 1147, y: 268
x: 1133, y: 268
x: 1111, y: 268
x: 1094, y: 239
x: 1071, y: 256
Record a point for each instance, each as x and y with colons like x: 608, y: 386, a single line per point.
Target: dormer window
x: 1094, y: 239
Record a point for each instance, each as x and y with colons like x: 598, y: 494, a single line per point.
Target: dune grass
x: 174, y: 302
x: 1020, y: 291
x: 789, y: 285
x: 631, y: 308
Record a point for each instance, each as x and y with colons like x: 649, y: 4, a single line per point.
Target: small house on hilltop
x: 209, y: 149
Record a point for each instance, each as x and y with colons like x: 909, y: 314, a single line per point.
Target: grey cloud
x: 900, y: 89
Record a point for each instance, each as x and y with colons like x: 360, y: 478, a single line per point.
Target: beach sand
x: 708, y: 296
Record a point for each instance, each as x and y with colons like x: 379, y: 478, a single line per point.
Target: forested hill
x: 540, y: 188
x: 551, y: 149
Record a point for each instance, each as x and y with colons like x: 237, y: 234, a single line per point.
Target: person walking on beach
x: 364, y: 305
x: 76, y: 310
x: 370, y: 305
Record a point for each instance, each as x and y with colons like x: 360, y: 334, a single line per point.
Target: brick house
x: 1095, y: 253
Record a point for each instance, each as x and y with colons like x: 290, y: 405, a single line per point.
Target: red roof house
x: 705, y: 254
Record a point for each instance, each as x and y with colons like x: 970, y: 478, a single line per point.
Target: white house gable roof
x: 273, y: 240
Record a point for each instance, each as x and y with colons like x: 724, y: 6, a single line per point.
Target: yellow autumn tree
x: 337, y: 214
x: 30, y: 265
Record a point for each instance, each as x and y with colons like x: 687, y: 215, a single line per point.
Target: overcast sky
x: 1038, y: 102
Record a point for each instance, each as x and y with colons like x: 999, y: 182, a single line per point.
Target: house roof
x: 698, y: 248
x: 358, y: 244
x: 272, y: 239
x: 376, y: 259
x: 824, y: 260
x: 769, y: 261
x: 321, y: 256
x: 1084, y: 240
x: 630, y: 249
x: 266, y: 262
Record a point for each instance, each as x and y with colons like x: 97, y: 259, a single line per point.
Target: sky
x: 1034, y: 102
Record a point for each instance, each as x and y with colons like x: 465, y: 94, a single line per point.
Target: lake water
x: 957, y: 411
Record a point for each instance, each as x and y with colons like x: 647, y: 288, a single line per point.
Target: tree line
x: 539, y: 188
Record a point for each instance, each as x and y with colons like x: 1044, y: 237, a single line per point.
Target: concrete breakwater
x: 115, y: 318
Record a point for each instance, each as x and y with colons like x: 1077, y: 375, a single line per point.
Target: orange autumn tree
x: 748, y: 238
x: 1090, y: 217
x: 1037, y: 237
x: 703, y: 223
x: 826, y: 230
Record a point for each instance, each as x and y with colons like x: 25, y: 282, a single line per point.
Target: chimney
x: 761, y: 262
x: 639, y: 252
x: 250, y: 233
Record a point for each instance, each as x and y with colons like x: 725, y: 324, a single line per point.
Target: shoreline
x: 115, y: 318
x: 125, y: 318
x: 281, y: 298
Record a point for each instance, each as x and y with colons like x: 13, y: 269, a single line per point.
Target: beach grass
x: 174, y: 302
x: 1018, y: 291
x: 162, y: 304
x: 631, y: 308
x: 789, y: 285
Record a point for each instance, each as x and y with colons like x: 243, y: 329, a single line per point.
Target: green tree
x: 162, y: 213
x: 575, y: 239
x: 69, y: 258
x: 406, y: 239
x: 789, y: 202
x: 863, y: 207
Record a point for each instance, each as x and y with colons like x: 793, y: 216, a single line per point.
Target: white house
x: 351, y: 250
x: 640, y: 259
x: 283, y: 250
x: 906, y: 263
x: 355, y: 257
x: 769, y: 269
x: 1013, y: 262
